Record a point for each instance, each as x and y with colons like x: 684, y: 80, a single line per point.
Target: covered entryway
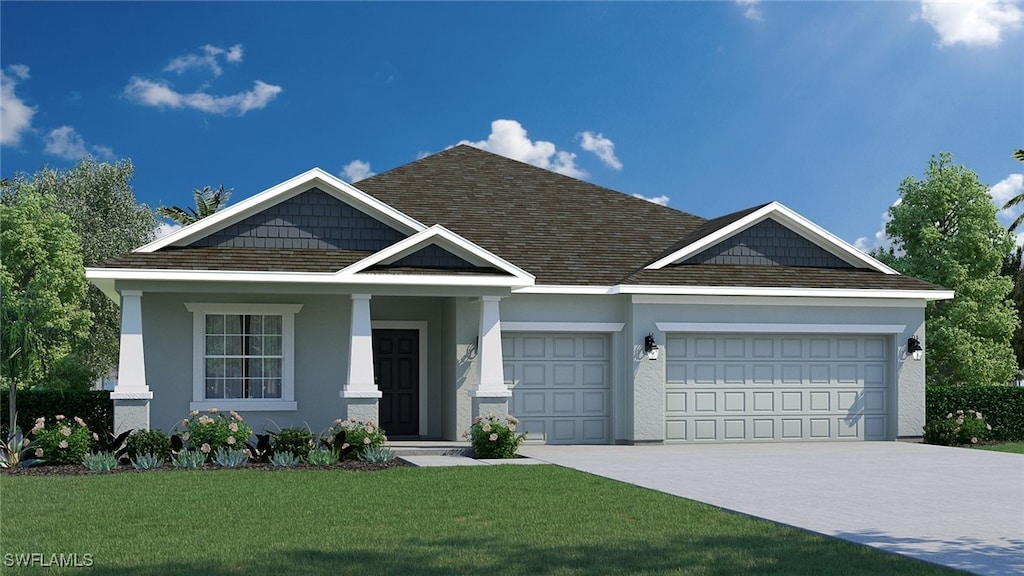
x: 396, y: 367
x: 744, y: 387
x: 561, y: 386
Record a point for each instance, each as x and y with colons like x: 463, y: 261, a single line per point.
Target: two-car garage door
x: 747, y: 387
x: 561, y: 385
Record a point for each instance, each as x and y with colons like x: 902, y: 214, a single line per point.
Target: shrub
x: 100, y: 461
x: 285, y: 459
x: 957, y: 429
x: 93, y: 406
x: 210, y: 431
x: 495, y: 437
x: 148, y: 461
x: 321, y: 457
x: 376, y: 454
x: 17, y: 451
x: 153, y: 442
x: 298, y: 441
x: 355, y: 435
x: 230, y: 458
x: 1003, y: 407
x: 63, y: 441
x: 188, y: 459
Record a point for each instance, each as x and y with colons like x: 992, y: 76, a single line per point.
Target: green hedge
x: 1002, y: 407
x: 93, y: 406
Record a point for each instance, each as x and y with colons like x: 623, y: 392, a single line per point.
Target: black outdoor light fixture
x: 650, y: 347
x: 914, y: 347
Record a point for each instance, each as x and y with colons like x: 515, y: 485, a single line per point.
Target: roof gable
x: 315, y: 180
x: 810, y: 244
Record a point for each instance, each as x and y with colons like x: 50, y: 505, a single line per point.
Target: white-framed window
x: 243, y: 356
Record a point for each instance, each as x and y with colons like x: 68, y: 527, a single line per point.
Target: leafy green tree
x: 207, y: 200
x: 42, y: 280
x: 1013, y: 268
x: 944, y: 230
x: 104, y: 213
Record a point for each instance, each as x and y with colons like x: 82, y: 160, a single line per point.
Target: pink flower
x: 978, y: 416
x: 212, y: 410
x: 205, y: 448
x: 39, y: 452
x: 63, y: 444
x: 204, y: 419
x: 184, y: 423
x: 233, y: 427
x: 194, y: 413
x: 369, y: 429
x: 95, y: 437
x: 59, y: 417
x: 366, y: 440
x: 344, y: 424
x: 487, y: 427
x: 492, y: 437
x: 81, y: 422
x: 513, y: 419
x: 512, y: 427
x: 231, y: 440
x: 337, y: 421
x: 65, y: 431
x: 35, y: 429
x: 974, y: 440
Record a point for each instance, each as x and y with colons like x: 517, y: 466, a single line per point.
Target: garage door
x: 736, y: 387
x: 561, y: 388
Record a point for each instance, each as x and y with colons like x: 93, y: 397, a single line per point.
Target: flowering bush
x: 63, y: 441
x: 210, y: 431
x: 355, y: 436
x: 495, y: 437
x: 956, y: 429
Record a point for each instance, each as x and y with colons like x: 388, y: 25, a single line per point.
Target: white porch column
x: 491, y: 394
x: 360, y: 391
x: 131, y: 396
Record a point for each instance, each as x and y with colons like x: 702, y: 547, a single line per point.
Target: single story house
x: 467, y: 283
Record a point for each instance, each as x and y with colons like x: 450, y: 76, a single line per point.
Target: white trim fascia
x: 780, y: 328
x: 422, y: 328
x: 772, y: 301
x: 305, y: 277
x: 579, y: 290
x: 132, y: 395
x: 809, y: 230
x: 314, y: 178
x: 445, y: 238
x: 562, y: 326
x: 787, y: 292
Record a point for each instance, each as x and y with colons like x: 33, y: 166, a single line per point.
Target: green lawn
x: 1014, y: 447
x: 437, y: 521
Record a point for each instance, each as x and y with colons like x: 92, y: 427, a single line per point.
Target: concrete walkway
x: 952, y: 506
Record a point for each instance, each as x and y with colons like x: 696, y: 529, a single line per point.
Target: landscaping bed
x: 79, y: 470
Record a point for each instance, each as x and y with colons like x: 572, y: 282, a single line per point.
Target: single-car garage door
x: 737, y: 387
x: 561, y: 387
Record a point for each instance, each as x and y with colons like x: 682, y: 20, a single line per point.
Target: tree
x: 944, y: 230
x: 1019, y: 156
x: 207, y: 201
x: 98, y: 198
x: 42, y: 280
x: 1013, y: 268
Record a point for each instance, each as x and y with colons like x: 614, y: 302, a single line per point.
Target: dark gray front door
x: 396, y: 364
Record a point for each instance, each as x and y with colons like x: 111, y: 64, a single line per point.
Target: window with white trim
x: 243, y: 356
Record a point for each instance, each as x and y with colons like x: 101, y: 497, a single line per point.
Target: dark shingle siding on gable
x: 768, y: 243
x: 313, y: 219
x: 432, y: 256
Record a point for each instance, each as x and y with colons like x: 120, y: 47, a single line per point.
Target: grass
x: 1013, y: 447
x: 403, y: 521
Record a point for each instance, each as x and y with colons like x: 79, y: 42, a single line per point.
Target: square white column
x: 360, y: 381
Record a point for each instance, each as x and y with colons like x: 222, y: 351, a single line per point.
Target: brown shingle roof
x: 239, y: 259
x: 776, y: 276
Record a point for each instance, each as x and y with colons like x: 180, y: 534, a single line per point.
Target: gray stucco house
x: 466, y: 283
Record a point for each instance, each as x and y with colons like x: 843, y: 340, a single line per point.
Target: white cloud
x: 972, y: 23
x: 1012, y: 185
x: 751, y: 9
x: 15, y: 115
x: 659, y: 200
x: 166, y: 229
x: 601, y: 146
x: 357, y: 170
x: 66, y: 143
x: 880, y: 239
x: 207, y: 59
x: 509, y: 139
x: 160, y: 94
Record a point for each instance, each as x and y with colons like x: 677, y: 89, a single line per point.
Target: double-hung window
x: 243, y: 356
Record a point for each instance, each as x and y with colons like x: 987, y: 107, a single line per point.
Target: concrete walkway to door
x: 952, y: 506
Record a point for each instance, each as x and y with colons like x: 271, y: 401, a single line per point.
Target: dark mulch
x: 76, y: 470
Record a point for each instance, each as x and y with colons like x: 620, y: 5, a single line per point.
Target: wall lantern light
x: 914, y: 347
x: 650, y: 347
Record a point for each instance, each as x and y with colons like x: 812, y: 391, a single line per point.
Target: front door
x: 396, y: 364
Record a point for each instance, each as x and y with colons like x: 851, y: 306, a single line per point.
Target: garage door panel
x: 561, y: 390
x: 781, y: 387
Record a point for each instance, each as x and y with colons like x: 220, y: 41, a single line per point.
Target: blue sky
x: 711, y: 107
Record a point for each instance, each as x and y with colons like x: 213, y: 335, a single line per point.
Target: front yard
x: 471, y: 520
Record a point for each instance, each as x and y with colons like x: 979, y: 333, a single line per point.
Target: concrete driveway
x: 953, y: 506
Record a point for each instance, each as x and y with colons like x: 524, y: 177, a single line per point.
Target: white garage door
x: 561, y: 387
x: 738, y: 387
